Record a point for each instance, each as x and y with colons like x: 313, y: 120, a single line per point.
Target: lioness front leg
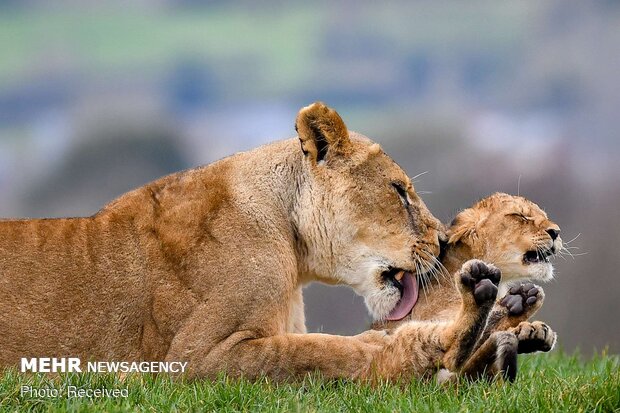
x: 414, y: 351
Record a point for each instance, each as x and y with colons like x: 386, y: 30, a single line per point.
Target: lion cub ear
x: 322, y: 132
x: 464, y: 227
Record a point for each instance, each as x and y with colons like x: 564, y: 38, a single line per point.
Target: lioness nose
x: 553, y: 233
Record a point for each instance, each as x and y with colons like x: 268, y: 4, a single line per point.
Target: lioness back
x: 51, y: 299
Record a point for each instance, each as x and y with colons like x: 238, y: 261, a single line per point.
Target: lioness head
x: 360, y: 221
x: 510, y: 232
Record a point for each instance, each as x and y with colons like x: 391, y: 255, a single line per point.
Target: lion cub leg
x: 478, y: 285
x: 519, y: 304
x: 497, y: 356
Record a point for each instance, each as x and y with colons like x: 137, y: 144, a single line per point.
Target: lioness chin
x: 206, y: 266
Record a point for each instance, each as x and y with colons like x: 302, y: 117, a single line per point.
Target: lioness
x: 514, y: 234
x: 206, y: 266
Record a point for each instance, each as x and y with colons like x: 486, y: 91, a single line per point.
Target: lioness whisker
x: 443, y: 271
x: 437, y: 268
x: 423, y: 280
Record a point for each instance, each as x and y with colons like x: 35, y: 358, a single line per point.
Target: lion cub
x: 515, y: 235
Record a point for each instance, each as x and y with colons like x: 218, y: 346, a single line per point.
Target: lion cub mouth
x: 407, y: 284
x: 537, y: 257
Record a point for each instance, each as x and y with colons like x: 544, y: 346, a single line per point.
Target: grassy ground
x: 546, y: 383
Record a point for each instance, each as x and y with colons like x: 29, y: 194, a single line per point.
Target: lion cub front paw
x: 479, y: 279
x: 523, y: 300
x: 534, y: 336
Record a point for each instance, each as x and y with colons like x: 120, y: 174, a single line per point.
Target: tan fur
x: 207, y: 265
x: 499, y: 229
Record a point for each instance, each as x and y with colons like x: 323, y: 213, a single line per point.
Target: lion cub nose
x: 553, y: 233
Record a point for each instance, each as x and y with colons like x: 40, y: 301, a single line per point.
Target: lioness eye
x: 402, y: 192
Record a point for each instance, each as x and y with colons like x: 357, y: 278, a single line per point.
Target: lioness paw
x: 376, y: 337
x: 535, y: 336
x: 480, y: 279
x: 523, y: 299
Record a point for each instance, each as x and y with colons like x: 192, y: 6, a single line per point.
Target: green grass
x: 555, y: 382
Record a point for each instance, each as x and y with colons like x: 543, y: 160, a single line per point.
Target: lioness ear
x: 464, y: 228
x: 322, y: 132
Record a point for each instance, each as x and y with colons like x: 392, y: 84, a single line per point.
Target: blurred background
x: 98, y: 99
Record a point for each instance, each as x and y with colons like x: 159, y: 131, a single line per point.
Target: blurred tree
x: 111, y: 159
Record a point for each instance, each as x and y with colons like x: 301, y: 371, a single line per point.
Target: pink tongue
x: 407, y: 300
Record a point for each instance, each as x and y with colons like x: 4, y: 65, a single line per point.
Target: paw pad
x: 520, y: 298
x: 482, y: 278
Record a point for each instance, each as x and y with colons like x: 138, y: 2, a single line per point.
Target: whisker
x: 564, y: 251
x: 433, y: 265
x: 441, y: 269
x: 578, y: 254
x: 422, y: 281
x: 419, y: 175
x: 444, y: 271
x: 436, y: 271
x: 425, y: 276
x: 568, y: 242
